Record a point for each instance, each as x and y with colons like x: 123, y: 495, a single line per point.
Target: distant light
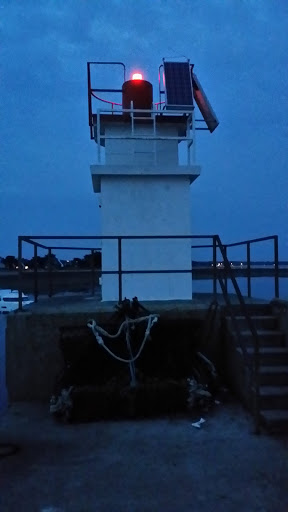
x: 137, y: 76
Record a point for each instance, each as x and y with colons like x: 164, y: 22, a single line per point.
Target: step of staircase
x: 260, y: 321
x: 275, y: 420
x: 266, y: 338
x: 273, y: 397
x: 273, y: 363
x: 269, y: 355
x: 253, y: 309
x: 273, y: 375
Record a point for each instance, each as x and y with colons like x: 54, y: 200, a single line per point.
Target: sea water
x: 261, y: 287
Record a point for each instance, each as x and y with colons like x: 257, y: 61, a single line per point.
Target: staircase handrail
x: 254, y: 368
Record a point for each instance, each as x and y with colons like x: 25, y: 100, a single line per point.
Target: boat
x: 9, y: 300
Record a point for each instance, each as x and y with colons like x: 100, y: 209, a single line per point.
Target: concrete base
x: 33, y: 356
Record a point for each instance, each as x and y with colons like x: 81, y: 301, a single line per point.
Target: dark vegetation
x: 11, y: 262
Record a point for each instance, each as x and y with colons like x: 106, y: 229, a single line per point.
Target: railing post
x: 50, y: 284
x: 214, y: 267
x: 154, y: 142
x: 276, y: 263
x: 226, y: 279
x: 35, y: 274
x: 20, y: 273
x: 191, y: 259
x: 120, y: 268
x: 256, y: 386
x: 248, y: 270
x: 98, y: 134
x: 92, y: 272
x: 194, y: 137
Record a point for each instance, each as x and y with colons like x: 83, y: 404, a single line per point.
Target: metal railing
x: 246, y: 270
x: 248, y: 244
x: 215, y: 273
x: 152, y: 116
x: 253, y: 365
x: 217, y: 276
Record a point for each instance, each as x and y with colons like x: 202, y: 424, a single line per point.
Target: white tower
x: 145, y: 166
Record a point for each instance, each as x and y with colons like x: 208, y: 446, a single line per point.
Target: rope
x: 98, y: 331
x: 132, y: 363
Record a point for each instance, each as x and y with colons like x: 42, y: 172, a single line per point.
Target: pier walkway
x: 85, y: 303
x: 163, y: 465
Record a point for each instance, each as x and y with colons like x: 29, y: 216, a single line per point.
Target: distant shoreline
x: 82, y: 279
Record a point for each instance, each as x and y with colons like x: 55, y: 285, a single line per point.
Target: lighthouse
x: 145, y: 166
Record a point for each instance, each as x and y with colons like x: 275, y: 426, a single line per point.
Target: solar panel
x: 204, y: 106
x: 178, y: 85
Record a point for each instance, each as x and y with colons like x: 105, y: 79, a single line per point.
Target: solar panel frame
x: 178, y: 86
x: 203, y: 104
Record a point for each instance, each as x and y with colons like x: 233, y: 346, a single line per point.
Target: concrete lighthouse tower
x: 145, y: 167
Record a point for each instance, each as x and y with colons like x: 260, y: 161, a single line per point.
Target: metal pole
x: 120, y: 268
x: 50, y: 287
x: 256, y: 385
x: 276, y: 263
x: 98, y: 133
x: 89, y: 98
x: 193, y: 135
x: 132, y: 117
x: 225, y: 280
x: 214, y: 267
x: 132, y: 129
x: 191, y: 258
x: 35, y: 274
x: 20, y: 273
x: 154, y: 142
x: 92, y: 272
x: 248, y: 270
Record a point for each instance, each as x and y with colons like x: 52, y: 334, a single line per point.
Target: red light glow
x: 137, y: 76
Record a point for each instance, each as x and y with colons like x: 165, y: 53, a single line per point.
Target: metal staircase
x: 272, y: 399
x: 256, y: 354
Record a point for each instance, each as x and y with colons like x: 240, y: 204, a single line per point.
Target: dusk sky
x: 239, y: 48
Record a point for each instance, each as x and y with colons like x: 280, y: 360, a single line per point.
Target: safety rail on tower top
x: 158, y: 130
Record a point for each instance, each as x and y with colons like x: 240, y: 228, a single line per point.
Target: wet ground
x: 164, y: 465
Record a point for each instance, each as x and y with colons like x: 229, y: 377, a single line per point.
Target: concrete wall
x: 3, y: 392
x: 280, y: 310
x: 147, y: 205
x: 235, y: 372
x: 34, y: 360
x: 139, y: 151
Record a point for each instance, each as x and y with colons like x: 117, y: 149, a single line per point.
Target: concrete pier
x: 32, y: 338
